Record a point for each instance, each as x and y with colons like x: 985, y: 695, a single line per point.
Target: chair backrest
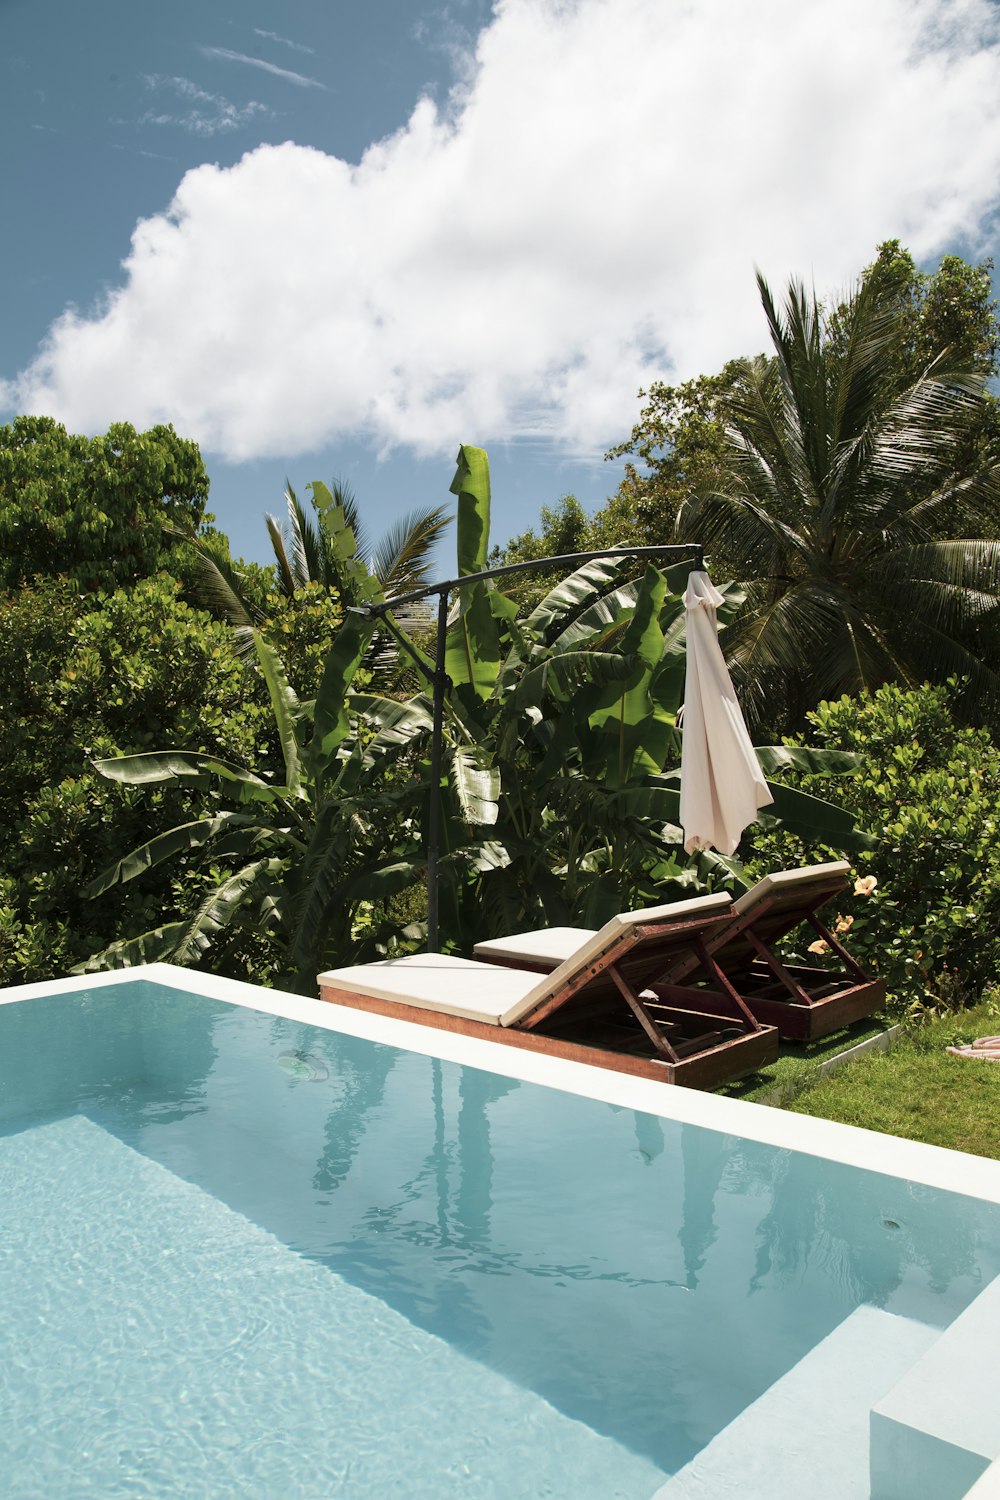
x: 785, y: 890
x: 775, y: 906
x: 641, y: 944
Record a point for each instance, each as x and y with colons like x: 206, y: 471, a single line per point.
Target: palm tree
x: 844, y: 509
x: 333, y: 551
x: 305, y: 551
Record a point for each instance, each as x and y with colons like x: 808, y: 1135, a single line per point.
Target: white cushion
x: 497, y: 996
x: 783, y: 882
x: 546, y: 946
x: 437, y: 981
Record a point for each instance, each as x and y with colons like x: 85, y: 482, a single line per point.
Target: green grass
x: 796, y: 1064
x: 917, y: 1089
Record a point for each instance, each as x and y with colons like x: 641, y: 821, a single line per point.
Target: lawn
x: 916, y: 1089
x: 797, y: 1062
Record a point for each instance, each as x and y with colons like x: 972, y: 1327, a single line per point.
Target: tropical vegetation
x: 230, y: 765
x: 846, y: 514
x: 927, y: 790
x: 559, y: 797
x: 848, y: 480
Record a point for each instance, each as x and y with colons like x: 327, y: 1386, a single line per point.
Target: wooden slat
x: 637, y: 1008
x: 777, y: 968
x: 706, y: 1069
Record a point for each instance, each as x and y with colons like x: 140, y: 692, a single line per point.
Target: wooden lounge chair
x: 596, y: 1005
x: 804, y: 1002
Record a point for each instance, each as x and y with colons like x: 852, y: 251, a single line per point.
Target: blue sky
x: 341, y: 238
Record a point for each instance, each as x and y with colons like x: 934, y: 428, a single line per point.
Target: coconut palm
x: 305, y: 551
x: 844, y: 511
x: 333, y: 551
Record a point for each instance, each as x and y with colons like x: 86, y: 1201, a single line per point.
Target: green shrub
x: 97, y: 675
x: 929, y: 793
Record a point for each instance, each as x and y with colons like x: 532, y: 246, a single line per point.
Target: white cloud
x: 272, y: 36
x: 223, y: 54
x: 201, y: 113
x: 583, y: 218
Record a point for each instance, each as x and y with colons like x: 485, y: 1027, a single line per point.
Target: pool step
x: 158, y: 1343
x: 807, y: 1435
x: 938, y: 1430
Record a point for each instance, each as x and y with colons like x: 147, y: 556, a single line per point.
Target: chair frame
x: 688, y: 1045
x: 813, y: 1001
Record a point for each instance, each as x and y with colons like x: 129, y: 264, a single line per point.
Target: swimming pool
x: 296, y: 1250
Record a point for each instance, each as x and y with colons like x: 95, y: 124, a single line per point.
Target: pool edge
x: 892, y: 1156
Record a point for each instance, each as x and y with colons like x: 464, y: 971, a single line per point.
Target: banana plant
x: 559, y: 795
x: 300, y: 852
x: 562, y: 796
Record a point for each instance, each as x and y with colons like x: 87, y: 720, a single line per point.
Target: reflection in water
x: 651, y: 1292
x: 361, y: 1092
x: 704, y: 1155
x: 648, y: 1136
x: 477, y: 1091
x: 865, y: 1232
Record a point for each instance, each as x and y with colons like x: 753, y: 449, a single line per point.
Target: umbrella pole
x: 442, y: 681
x: 434, y: 811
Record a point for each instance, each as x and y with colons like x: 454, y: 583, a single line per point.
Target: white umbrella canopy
x: 722, y: 784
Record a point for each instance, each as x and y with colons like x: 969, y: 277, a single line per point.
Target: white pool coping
x: 913, y: 1161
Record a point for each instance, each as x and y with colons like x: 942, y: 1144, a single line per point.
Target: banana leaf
x: 157, y: 765
x: 331, y: 722
x: 472, y: 645
x: 560, y: 677
x: 814, y: 820
x: 476, y: 785
x: 385, y: 880
x: 776, y: 758
x: 472, y: 486
x: 603, y: 623
x: 186, y: 836
x: 285, y: 708
x: 186, y: 941
x: 569, y: 598
x: 153, y: 947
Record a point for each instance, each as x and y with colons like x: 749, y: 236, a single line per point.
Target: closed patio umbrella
x: 722, y: 784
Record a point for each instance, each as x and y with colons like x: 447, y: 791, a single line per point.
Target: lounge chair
x: 595, y: 1005
x: 802, y: 1001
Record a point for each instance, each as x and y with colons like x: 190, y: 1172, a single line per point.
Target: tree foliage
x: 558, y: 799
x: 927, y: 790
x: 859, y: 542
x: 678, y: 447
x: 98, y: 675
x: 849, y: 480
x: 93, y: 510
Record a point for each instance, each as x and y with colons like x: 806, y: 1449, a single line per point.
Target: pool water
x: 244, y: 1255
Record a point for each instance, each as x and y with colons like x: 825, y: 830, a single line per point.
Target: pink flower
x: 844, y: 924
x: 865, y: 885
x: 819, y: 946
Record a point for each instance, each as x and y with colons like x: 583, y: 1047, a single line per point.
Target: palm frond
x: 307, y: 560
x: 954, y: 586
x: 401, y: 558
x: 286, y: 573
x: 220, y: 586
x: 344, y: 496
